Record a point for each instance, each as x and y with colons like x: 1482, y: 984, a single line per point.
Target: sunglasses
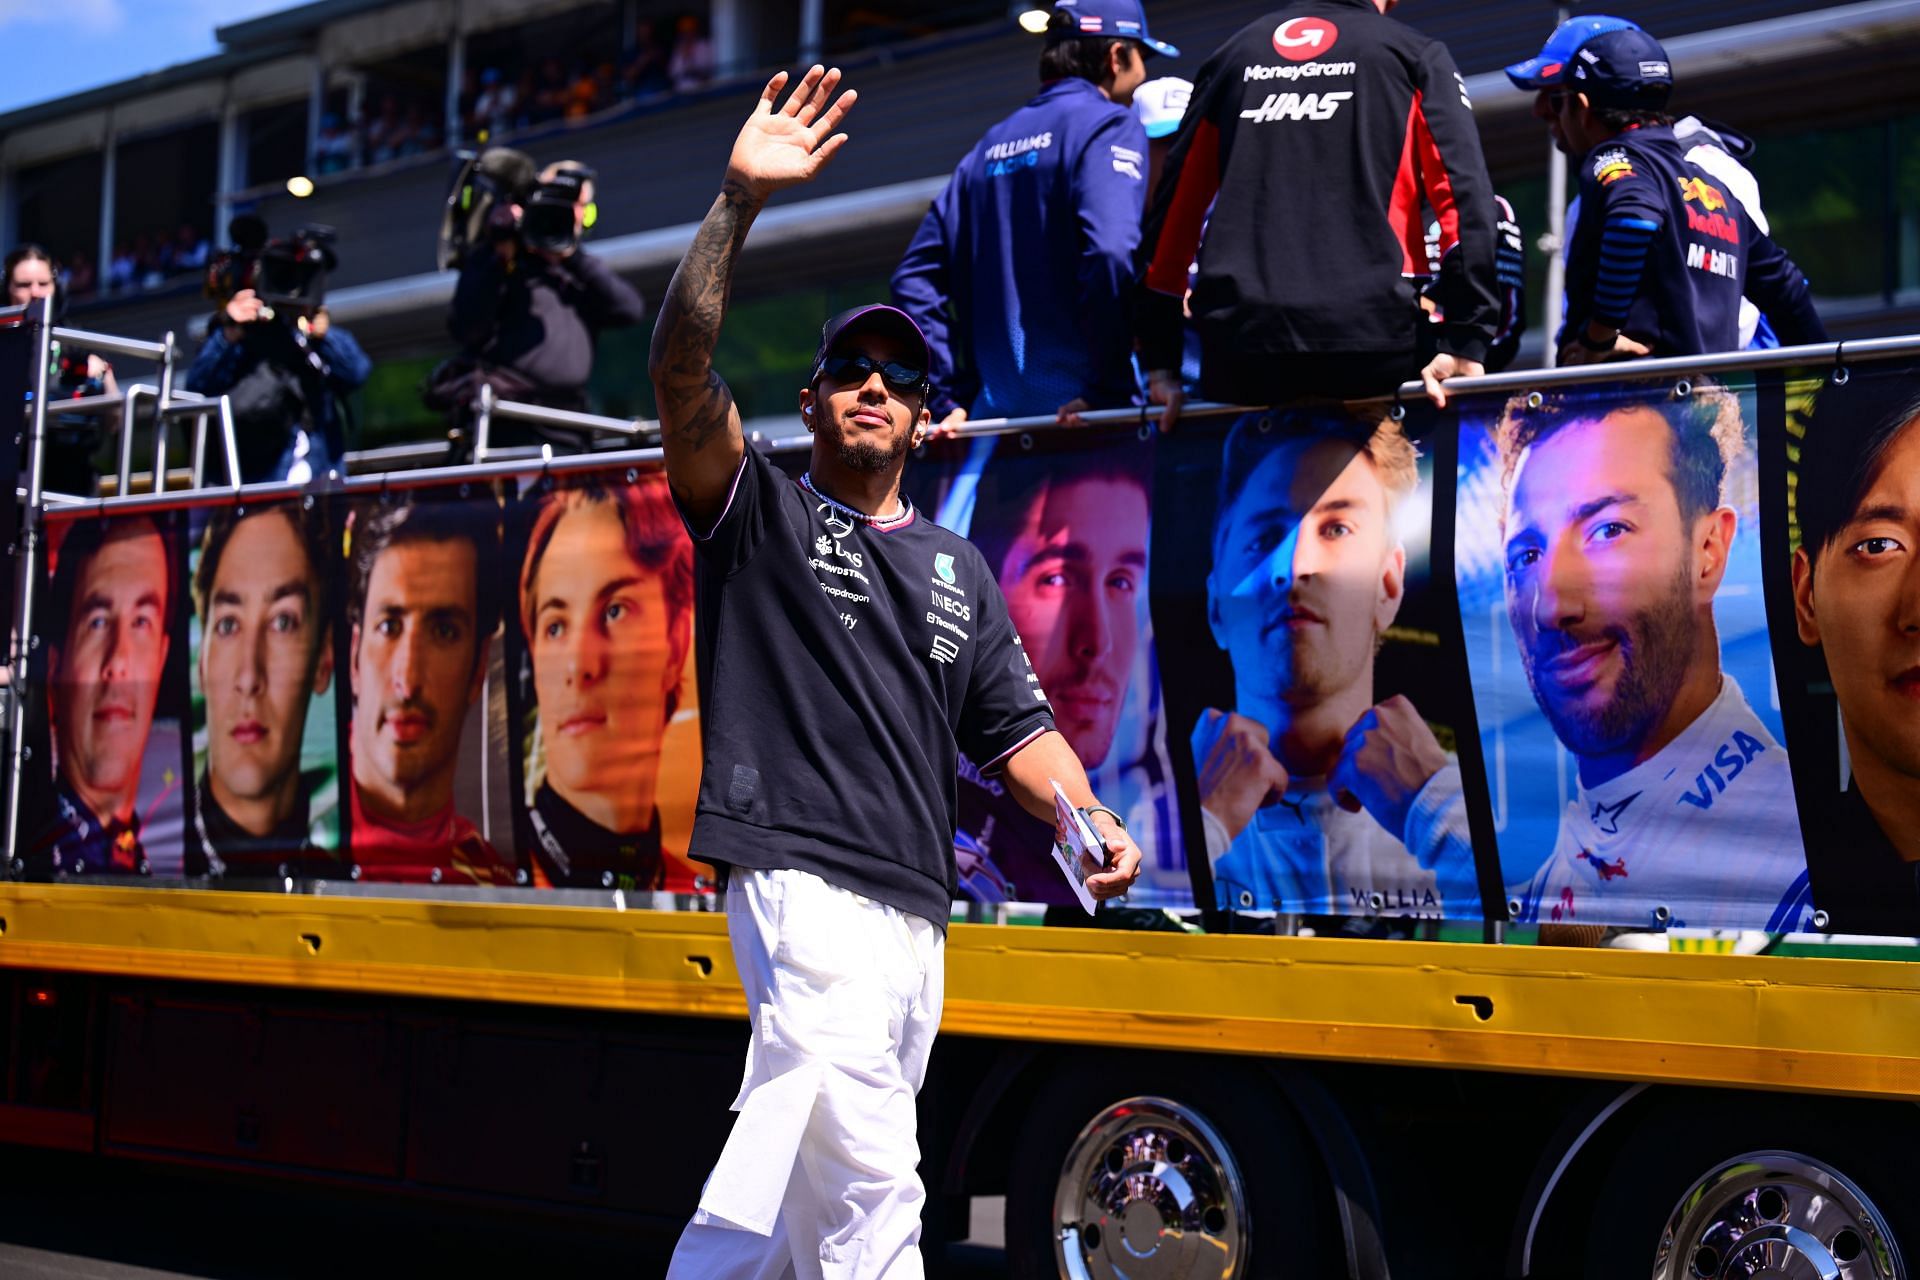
x: 897, y: 376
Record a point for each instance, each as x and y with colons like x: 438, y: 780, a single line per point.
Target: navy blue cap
x: 1549, y: 67
x: 1112, y: 19
x: 1625, y: 68
x: 875, y: 317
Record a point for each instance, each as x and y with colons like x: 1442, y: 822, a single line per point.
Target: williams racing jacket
x: 1020, y: 273
x: 1664, y: 251
x: 1315, y: 136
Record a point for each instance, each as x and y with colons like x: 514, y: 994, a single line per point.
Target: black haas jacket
x: 1315, y: 138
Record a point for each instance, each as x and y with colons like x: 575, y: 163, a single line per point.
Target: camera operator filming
x: 274, y: 353
x: 530, y: 303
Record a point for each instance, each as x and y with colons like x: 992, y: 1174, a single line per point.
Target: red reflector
x: 43, y: 997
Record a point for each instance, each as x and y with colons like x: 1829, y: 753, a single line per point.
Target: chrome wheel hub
x: 1776, y: 1215
x: 1149, y: 1191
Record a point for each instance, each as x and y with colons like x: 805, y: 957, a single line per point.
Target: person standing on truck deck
x: 848, y: 650
x: 1714, y: 147
x: 1021, y: 271
x: 1663, y: 251
x: 1314, y: 138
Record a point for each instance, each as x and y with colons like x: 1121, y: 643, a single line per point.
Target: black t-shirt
x: 844, y: 665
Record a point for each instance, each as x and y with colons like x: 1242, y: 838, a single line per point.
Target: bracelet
x: 1087, y: 812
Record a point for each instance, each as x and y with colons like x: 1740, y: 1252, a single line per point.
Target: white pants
x: 818, y: 1179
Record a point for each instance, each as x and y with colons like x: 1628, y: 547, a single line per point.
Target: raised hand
x: 782, y: 146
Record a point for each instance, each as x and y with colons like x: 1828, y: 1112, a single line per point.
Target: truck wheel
x: 1132, y: 1179
x: 1701, y: 1205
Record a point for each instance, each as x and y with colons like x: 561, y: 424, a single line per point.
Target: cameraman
x: 530, y: 305
x: 279, y: 359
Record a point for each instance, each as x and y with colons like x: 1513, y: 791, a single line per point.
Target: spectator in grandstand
x: 497, y: 108
x: 1020, y: 272
x: 527, y: 319
x: 287, y: 370
x: 334, y: 146
x: 839, y: 701
x: 1066, y: 539
x: 644, y: 72
x: 1662, y: 253
x: 189, y: 249
x: 422, y: 606
x: 1856, y: 595
x: 114, y: 588
x: 691, y: 65
x: 66, y: 464
x: 381, y: 135
x: 265, y: 661
x: 1313, y: 297
x: 1714, y: 147
x: 548, y: 101
x: 82, y: 279
x: 606, y: 610
x: 122, y: 269
x: 583, y: 93
x: 1617, y: 536
x: 1313, y: 796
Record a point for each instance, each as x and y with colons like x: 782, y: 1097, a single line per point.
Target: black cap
x: 1625, y: 68
x: 875, y: 317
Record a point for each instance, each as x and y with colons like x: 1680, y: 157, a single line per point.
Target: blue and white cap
x: 1161, y: 105
x: 1549, y: 67
x: 1113, y: 19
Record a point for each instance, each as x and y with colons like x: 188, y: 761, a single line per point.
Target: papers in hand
x: 1081, y: 838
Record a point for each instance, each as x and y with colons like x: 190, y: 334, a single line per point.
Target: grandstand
x: 367, y: 98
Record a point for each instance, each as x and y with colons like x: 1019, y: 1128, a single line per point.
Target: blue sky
x: 58, y: 47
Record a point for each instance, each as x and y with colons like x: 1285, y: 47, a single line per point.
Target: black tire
x: 1292, y: 1228
x: 1679, y: 1139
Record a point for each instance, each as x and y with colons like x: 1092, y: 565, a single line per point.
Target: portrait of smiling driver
x: 422, y: 608
x: 114, y: 586
x: 265, y: 656
x: 1618, y: 535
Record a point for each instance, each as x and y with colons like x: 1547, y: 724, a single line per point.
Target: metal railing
x: 185, y: 404
x: 590, y: 424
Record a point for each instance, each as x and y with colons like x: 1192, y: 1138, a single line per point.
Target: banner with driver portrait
x: 1628, y: 655
x: 1613, y: 587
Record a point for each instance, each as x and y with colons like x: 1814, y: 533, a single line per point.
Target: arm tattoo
x: 694, y: 399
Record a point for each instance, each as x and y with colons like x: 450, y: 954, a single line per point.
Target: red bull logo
x: 1698, y: 190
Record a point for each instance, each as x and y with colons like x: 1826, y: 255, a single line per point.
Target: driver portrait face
x: 263, y: 656
x: 1612, y: 563
x: 116, y: 586
x: 1307, y: 573
x: 1856, y: 589
x: 606, y: 608
x: 418, y: 645
x: 1073, y: 576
